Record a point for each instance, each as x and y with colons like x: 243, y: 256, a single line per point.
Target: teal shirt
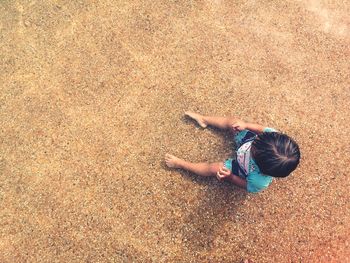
x: 256, y: 180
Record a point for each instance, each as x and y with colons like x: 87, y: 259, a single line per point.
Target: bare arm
x: 225, y: 174
x: 238, y: 181
x: 257, y: 128
x: 242, y: 125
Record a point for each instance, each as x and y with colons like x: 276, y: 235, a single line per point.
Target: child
x: 262, y: 153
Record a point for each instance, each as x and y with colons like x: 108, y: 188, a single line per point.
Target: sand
x: 92, y: 97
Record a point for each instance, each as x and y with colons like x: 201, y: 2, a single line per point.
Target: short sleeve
x: 257, y: 182
x: 268, y: 129
x: 239, y: 137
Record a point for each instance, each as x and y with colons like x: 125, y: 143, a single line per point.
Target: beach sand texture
x: 92, y: 96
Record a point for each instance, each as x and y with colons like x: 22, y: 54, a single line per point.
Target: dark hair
x: 276, y: 154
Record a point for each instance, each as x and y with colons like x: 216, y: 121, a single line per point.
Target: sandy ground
x: 92, y: 97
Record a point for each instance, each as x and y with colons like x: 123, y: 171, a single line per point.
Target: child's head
x: 275, y: 153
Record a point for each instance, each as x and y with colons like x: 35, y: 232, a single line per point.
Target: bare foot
x: 197, y: 117
x: 172, y: 161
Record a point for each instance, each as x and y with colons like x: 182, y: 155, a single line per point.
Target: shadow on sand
x: 217, y: 206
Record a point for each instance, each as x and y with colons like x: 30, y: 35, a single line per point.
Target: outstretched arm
x: 242, y: 125
x: 257, y: 128
x: 224, y: 122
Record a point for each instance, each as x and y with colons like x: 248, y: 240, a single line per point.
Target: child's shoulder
x: 256, y: 180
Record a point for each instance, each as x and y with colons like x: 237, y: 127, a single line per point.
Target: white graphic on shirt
x: 243, y: 156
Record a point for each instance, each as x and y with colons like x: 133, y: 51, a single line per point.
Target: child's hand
x: 239, y: 126
x: 223, y: 173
